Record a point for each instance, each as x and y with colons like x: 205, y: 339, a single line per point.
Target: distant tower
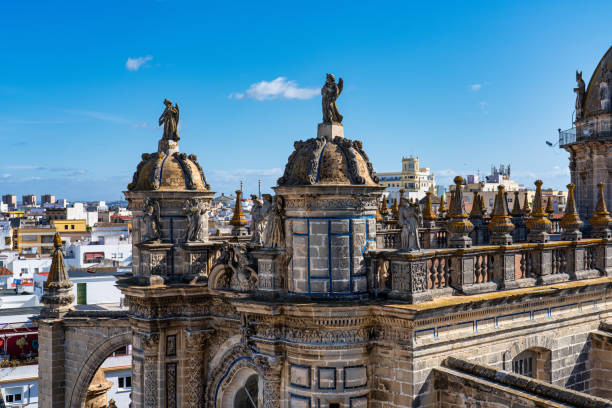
x: 590, y: 142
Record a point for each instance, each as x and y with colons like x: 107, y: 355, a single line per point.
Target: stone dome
x: 321, y: 161
x: 592, y: 105
x: 168, y: 171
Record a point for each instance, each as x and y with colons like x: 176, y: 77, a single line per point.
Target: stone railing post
x: 505, y: 268
x: 604, y: 257
x: 542, y: 258
x: 409, y: 278
x: 462, y: 274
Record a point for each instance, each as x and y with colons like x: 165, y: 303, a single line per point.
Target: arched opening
x: 534, y: 362
x: 241, y: 388
x: 105, y: 378
x: 247, y: 396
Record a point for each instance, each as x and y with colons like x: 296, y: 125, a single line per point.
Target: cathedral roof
x: 168, y: 171
x: 592, y: 105
x: 320, y: 161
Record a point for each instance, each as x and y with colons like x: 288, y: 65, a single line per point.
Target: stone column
x: 51, y: 362
x: 271, y: 367
x: 146, y: 370
x: 193, y: 367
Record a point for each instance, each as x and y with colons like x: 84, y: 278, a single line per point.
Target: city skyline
x: 446, y: 84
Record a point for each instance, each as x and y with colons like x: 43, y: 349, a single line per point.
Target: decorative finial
x: 395, y: 209
x: 476, y: 211
x: 500, y: 224
x: 330, y: 92
x: 539, y: 225
x: 526, y: 208
x: 238, y: 220
x: 549, y: 207
x: 571, y: 222
x: 57, y: 273
x: 459, y: 227
x: 384, y: 210
x: 428, y: 212
x: 58, y: 297
x: 441, y: 209
x: 600, y: 221
x: 516, y: 206
x: 483, y: 208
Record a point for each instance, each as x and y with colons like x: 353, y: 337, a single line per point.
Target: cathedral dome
x: 592, y: 103
x: 168, y: 171
x: 321, y: 161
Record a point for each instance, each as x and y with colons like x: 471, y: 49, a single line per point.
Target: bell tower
x: 589, y: 143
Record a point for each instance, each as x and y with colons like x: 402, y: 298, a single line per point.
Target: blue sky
x: 462, y: 85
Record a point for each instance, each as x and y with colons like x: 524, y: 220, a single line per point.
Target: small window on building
x: 24, y: 270
x: 36, y: 270
x: 13, y: 394
x: 72, y: 226
x: 125, y: 382
x: 66, y: 226
x: 523, y: 366
x: 334, y: 405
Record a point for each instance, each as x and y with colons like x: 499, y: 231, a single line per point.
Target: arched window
x: 247, y: 396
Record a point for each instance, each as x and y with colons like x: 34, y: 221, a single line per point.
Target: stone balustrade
x: 419, y: 276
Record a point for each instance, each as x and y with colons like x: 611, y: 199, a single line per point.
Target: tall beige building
x: 412, y: 178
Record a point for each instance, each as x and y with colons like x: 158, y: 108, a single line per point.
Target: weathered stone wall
x: 600, y: 361
x: 492, y: 336
x: 460, y: 383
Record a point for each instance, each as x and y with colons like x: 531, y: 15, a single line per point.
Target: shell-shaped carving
x: 159, y: 171
x: 319, y: 161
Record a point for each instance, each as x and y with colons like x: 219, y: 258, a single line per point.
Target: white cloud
x: 134, y: 64
x: 475, y: 87
x: 279, y: 88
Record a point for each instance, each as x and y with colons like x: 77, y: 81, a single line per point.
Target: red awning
x: 94, y: 255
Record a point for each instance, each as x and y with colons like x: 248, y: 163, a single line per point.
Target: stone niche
x: 328, y: 228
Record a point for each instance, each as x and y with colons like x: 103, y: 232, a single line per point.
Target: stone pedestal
x: 271, y: 269
x: 168, y: 146
x: 330, y: 130
x: 409, y: 280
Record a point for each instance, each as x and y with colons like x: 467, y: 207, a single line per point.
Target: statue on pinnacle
x: 169, y: 118
x: 330, y: 92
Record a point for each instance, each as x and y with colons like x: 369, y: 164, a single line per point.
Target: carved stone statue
x: 274, y: 236
x: 579, y: 90
x: 258, y: 217
x: 112, y: 404
x: 169, y: 118
x: 330, y: 93
x: 197, y: 220
x: 151, y: 220
x: 410, y: 219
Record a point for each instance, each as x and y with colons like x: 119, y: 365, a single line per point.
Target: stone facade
x: 315, y: 315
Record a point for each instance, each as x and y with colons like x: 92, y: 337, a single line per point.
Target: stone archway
x: 91, y: 365
x: 235, y: 366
